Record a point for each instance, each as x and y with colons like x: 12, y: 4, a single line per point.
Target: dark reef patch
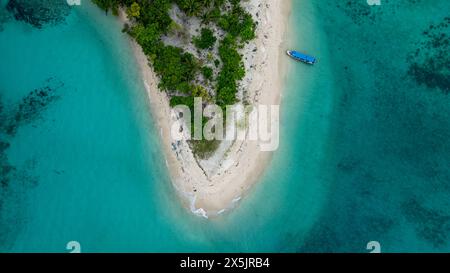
x: 4, y: 18
x: 429, y: 64
x: 432, y: 225
x: 359, y: 11
x: 5, y: 168
x: 32, y: 105
x: 39, y: 13
x: 29, y: 109
x: 15, y: 181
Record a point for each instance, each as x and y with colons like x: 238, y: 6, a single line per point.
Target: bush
x: 175, y: 68
x: 134, y: 10
x: 206, y: 40
x: 204, y: 148
x: 232, y: 71
x: 207, y: 73
x: 238, y: 23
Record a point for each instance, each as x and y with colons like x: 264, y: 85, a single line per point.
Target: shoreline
x: 244, y: 165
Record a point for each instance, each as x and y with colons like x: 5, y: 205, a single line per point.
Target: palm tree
x: 191, y: 7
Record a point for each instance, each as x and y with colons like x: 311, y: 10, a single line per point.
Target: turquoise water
x: 389, y: 143
x: 364, y: 152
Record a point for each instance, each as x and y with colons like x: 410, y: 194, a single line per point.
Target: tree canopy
x: 206, y: 39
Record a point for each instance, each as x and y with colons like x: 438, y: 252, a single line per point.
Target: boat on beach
x: 301, y: 57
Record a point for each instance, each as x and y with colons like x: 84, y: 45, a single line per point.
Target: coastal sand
x: 211, y: 194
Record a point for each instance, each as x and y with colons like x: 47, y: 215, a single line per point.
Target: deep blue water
x: 364, y: 152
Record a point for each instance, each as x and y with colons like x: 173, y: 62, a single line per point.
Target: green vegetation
x: 238, y: 23
x: 207, y: 73
x: 206, y: 40
x: 232, y: 71
x: 204, y: 148
x: 216, y: 62
x: 134, y: 10
x: 175, y: 68
x: 106, y: 4
x: 179, y: 70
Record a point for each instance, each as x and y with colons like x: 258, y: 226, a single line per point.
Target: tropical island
x: 188, y: 68
x: 223, y: 51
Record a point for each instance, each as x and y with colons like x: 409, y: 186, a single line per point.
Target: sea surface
x: 364, y: 152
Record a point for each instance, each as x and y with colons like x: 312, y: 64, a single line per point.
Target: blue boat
x: 298, y: 56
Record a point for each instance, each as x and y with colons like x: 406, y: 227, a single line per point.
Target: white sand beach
x: 211, y: 187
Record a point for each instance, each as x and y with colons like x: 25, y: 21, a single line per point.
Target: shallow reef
x: 11, y: 118
x: 429, y: 63
x: 39, y: 13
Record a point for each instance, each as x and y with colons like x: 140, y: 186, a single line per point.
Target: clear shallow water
x: 364, y: 154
